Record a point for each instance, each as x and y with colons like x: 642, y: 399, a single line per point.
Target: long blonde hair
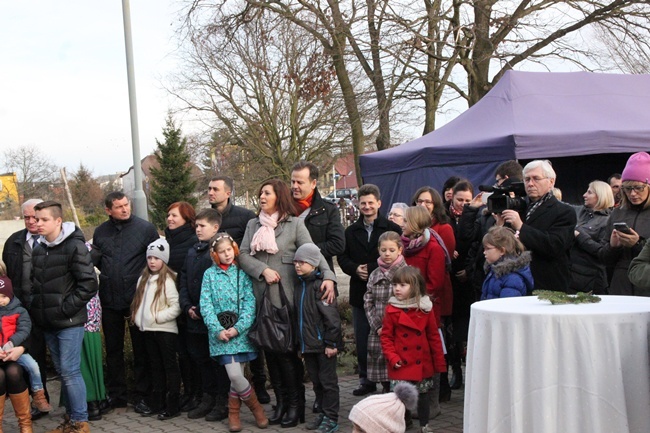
x: 164, y: 272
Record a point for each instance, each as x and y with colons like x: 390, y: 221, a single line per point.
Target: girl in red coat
x: 410, y: 338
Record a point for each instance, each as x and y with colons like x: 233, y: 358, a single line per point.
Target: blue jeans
x: 65, y: 348
x: 29, y: 364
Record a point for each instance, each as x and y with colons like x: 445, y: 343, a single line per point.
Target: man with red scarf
x: 321, y: 218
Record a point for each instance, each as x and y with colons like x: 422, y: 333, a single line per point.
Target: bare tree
x: 271, y: 90
x: 33, y: 169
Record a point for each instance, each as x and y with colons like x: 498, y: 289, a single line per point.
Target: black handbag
x: 227, y: 319
x: 273, y: 327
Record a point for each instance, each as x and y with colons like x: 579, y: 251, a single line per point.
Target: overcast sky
x: 63, y: 83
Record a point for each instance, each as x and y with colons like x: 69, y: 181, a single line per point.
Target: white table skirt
x: 533, y: 367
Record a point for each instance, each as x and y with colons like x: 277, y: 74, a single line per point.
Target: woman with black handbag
x: 267, y: 252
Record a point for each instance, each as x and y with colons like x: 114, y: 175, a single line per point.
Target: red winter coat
x: 446, y: 232
x: 411, y: 336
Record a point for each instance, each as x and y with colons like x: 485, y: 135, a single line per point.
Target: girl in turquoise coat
x: 226, y: 289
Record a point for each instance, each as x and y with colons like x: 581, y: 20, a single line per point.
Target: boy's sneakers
x: 328, y: 426
x: 40, y: 402
x: 316, y: 422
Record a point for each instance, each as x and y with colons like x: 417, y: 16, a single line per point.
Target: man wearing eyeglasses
x: 17, y: 256
x: 545, y: 228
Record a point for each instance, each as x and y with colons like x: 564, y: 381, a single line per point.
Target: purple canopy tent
x: 587, y: 124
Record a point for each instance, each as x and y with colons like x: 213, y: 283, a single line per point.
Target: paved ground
x: 126, y: 420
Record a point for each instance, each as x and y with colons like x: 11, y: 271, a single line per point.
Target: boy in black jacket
x: 319, y: 336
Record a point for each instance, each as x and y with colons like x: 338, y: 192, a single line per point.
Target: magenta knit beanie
x: 637, y: 168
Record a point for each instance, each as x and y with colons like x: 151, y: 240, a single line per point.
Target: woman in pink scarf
x: 267, y: 252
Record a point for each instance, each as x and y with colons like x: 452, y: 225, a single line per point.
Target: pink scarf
x: 385, y: 266
x: 264, y: 237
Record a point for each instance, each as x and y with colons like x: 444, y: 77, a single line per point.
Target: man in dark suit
x: 546, y: 228
x: 358, y: 260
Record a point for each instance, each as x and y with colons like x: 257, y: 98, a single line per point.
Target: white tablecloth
x: 533, y: 367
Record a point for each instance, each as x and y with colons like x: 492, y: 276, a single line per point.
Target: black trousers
x: 214, y: 379
x: 113, y: 324
x: 322, y: 372
x: 165, y: 374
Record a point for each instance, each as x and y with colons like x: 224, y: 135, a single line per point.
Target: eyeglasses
x: 395, y: 215
x: 535, y: 179
x: 636, y: 188
x: 424, y: 202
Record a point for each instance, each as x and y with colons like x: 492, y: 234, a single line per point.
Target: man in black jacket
x: 120, y: 244
x: 358, y: 261
x: 546, y: 228
x: 233, y: 218
x: 63, y: 281
x: 322, y: 219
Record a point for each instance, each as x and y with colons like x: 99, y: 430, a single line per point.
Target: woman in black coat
x: 588, y: 272
x: 181, y: 236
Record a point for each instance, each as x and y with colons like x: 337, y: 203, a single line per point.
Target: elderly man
x: 546, y: 228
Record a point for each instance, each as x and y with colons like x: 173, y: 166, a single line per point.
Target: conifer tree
x: 171, y: 182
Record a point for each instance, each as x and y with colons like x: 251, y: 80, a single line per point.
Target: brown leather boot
x: 79, y: 427
x: 258, y: 411
x: 234, y: 406
x: 40, y: 402
x: 23, y: 410
x: 63, y: 427
x: 2, y: 409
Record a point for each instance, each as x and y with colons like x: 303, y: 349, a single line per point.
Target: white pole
x: 334, y: 181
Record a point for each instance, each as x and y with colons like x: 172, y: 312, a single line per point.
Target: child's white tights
x: 238, y: 382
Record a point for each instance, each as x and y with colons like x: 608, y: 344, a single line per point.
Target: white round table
x: 533, y: 367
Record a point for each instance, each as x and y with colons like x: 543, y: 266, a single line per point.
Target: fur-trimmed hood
x: 509, y: 264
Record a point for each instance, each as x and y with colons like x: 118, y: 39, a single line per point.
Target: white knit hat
x: 384, y: 413
x: 159, y: 248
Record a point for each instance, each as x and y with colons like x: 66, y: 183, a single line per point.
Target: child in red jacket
x: 410, y: 338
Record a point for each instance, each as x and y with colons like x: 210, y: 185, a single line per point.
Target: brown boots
x: 234, y: 407
x: 20, y: 402
x: 258, y: 411
x: 40, y: 402
x: 68, y: 426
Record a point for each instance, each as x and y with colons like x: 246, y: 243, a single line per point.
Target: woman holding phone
x: 635, y: 212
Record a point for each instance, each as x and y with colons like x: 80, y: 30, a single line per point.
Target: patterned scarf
x: 264, y: 237
x: 303, y: 204
x: 538, y: 203
x: 412, y: 246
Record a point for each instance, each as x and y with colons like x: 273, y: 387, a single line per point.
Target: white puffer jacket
x: 162, y: 317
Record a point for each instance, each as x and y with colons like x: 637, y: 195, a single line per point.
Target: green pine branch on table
x: 556, y: 298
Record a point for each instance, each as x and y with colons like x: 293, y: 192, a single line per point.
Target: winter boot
x: 40, y: 402
x: 78, y: 427
x: 2, y: 408
x: 234, y: 406
x: 219, y: 411
x: 64, y: 427
x: 258, y: 411
x: 20, y: 402
x: 204, y: 408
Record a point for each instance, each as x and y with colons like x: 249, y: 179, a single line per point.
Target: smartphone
x: 622, y: 227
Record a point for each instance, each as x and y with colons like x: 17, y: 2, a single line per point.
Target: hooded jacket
x: 63, y: 280
x: 508, y: 277
x: 15, y: 324
x: 121, y: 247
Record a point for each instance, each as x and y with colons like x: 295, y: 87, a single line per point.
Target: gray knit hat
x: 159, y: 248
x: 309, y: 253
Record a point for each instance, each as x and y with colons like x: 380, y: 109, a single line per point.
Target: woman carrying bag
x: 267, y: 252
